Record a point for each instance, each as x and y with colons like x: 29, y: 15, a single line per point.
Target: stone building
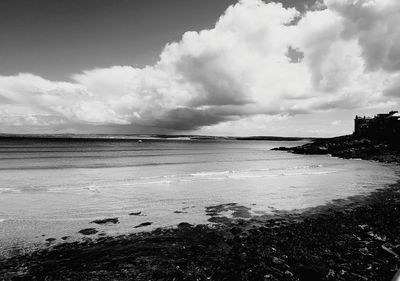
x: 384, y: 126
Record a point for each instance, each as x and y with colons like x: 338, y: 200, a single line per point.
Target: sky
x: 226, y: 67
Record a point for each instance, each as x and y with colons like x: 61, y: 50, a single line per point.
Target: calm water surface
x: 56, y: 188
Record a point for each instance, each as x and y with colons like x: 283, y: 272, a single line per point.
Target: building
x: 384, y: 126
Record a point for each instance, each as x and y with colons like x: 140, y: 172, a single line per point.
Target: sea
x: 54, y: 188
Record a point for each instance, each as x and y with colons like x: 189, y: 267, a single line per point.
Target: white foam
x: 306, y: 173
x: 289, y: 168
x: 216, y: 175
x: 207, y: 174
x: 231, y: 174
x: 91, y: 188
x: 8, y: 190
x: 245, y: 176
x: 152, y: 182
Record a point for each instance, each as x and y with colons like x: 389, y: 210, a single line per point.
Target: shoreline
x: 350, y: 147
x: 134, y: 138
x: 357, y: 238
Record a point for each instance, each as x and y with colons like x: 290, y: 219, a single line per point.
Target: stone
x: 279, y: 261
x: 143, y: 224
x: 106, y: 221
x: 88, y: 231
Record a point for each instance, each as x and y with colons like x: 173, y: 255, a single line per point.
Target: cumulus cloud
x: 255, y: 62
x: 375, y: 25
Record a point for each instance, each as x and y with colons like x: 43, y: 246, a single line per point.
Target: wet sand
x: 352, y: 239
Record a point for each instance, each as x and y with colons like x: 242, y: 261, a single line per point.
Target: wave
x: 315, y: 166
x: 153, y: 182
x: 208, y: 174
x: 116, y: 165
x: 175, y: 179
x: 91, y: 188
x: 245, y: 176
x: 8, y: 190
x: 106, y: 156
x: 306, y: 173
x: 239, y: 174
x: 303, y: 170
x: 86, y: 150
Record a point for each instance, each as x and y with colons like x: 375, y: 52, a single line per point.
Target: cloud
x: 375, y: 24
x: 255, y: 62
x: 393, y: 89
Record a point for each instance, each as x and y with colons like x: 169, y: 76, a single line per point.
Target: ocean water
x: 55, y: 188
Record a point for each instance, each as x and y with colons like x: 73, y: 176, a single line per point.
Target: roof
x: 394, y: 115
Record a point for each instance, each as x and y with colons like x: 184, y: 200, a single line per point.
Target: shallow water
x: 57, y: 188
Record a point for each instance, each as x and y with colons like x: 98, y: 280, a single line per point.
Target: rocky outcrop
x: 350, y: 147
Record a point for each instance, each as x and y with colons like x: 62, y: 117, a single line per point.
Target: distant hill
x: 106, y: 137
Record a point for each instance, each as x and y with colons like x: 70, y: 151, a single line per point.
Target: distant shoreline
x: 102, y: 137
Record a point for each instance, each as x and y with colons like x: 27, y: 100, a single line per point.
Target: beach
x: 353, y: 237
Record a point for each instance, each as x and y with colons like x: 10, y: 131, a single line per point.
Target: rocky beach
x: 348, y: 147
x: 350, y: 239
